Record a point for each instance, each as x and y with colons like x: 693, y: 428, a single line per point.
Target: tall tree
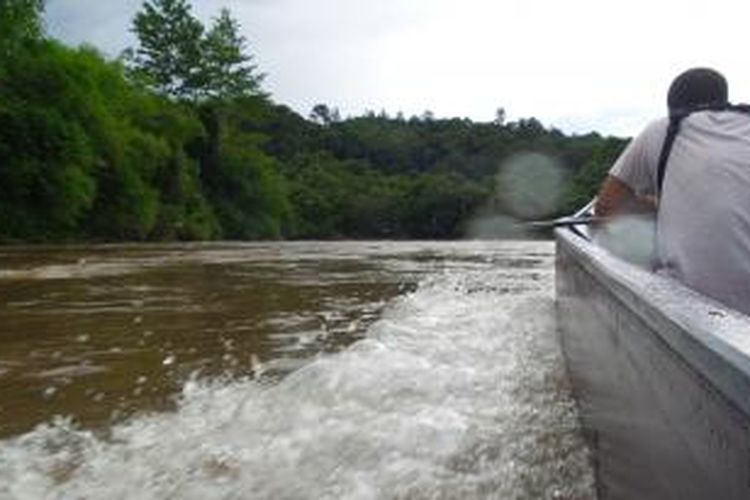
x: 168, y: 56
x: 227, y: 67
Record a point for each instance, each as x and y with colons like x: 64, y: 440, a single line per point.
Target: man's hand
x: 617, y: 198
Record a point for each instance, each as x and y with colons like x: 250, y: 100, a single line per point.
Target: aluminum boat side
x: 661, y: 375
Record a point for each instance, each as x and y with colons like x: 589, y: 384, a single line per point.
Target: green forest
x: 176, y: 139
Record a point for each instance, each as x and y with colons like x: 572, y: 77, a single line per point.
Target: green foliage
x: 185, y: 145
x: 85, y: 154
x: 589, y: 177
x: 441, y: 205
x: 20, y: 24
x: 46, y: 157
x: 241, y: 180
x: 348, y: 198
x: 319, y: 185
x: 375, y: 176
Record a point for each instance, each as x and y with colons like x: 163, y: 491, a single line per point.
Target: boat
x: 661, y: 375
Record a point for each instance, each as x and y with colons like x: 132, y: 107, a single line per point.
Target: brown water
x: 102, y: 332
x: 370, y: 370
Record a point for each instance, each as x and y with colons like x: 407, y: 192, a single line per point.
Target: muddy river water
x: 285, y: 370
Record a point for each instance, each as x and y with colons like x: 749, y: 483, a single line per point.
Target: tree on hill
x: 168, y: 56
x: 227, y: 67
x: 178, y: 57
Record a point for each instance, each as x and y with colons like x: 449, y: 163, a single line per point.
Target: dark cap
x: 697, y: 86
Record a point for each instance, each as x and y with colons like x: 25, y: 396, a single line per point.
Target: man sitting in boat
x: 693, y: 168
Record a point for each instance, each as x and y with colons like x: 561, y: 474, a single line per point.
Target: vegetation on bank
x: 177, y: 140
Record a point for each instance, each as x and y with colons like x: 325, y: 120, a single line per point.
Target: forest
x: 176, y: 139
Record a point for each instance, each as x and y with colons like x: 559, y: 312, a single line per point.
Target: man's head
x: 697, y: 86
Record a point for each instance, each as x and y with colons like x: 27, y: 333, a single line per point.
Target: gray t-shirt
x: 703, y: 236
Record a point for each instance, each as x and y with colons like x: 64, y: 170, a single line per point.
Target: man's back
x: 704, y: 211
x: 703, y: 221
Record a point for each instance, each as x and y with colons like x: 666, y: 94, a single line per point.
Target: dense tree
x: 85, y: 154
x: 20, y: 23
x: 46, y: 156
x: 240, y: 179
x: 185, y: 145
x: 589, y: 176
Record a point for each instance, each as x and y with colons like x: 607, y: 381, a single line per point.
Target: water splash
x: 458, y: 391
x: 532, y: 185
x: 631, y: 237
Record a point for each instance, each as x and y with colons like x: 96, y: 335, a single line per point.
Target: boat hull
x: 661, y: 375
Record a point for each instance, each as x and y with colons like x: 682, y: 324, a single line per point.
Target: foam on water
x: 458, y: 391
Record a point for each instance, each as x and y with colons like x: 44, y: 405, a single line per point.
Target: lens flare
x: 531, y: 185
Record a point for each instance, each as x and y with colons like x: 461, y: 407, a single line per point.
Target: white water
x: 459, y: 391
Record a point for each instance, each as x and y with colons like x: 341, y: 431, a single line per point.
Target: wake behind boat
x: 661, y: 374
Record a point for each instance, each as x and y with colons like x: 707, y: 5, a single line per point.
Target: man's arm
x: 617, y: 198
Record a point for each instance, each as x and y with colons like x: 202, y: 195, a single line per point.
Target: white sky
x: 579, y: 65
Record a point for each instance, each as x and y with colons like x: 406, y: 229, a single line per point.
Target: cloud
x: 104, y: 24
x: 574, y: 64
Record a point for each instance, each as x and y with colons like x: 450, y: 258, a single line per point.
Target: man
x: 703, y: 205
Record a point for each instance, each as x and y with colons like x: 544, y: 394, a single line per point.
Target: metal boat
x: 661, y: 374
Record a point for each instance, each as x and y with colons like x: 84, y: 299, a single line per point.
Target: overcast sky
x: 579, y: 65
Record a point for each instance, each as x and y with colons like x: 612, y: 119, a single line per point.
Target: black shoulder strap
x: 675, y: 118
x: 666, y: 148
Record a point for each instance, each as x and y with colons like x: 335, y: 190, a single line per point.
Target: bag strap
x: 666, y: 149
x: 675, y: 119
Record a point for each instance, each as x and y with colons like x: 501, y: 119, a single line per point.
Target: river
x: 285, y: 371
